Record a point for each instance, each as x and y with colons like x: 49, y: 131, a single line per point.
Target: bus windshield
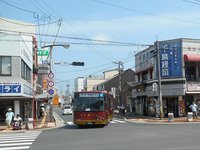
x: 89, y: 104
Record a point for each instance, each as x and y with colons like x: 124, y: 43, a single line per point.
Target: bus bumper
x: 91, y: 122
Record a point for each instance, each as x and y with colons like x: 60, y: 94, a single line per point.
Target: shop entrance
x: 170, y: 106
x: 5, y: 104
x: 188, y: 101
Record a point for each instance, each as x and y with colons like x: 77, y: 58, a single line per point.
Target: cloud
x: 117, y: 27
x: 101, y: 36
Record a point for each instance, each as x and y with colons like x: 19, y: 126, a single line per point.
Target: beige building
x: 110, y: 73
x: 92, y: 81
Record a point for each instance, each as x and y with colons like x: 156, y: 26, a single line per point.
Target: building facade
x: 180, y: 74
x: 79, y: 84
x: 91, y: 82
x: 112, y: 86
x: 16, y: 68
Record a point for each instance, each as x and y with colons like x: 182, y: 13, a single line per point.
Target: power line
x: 50, y: 52
x: 23, y: 24
x: 103, y: 52
x: 148, y: 13
x: 189, y: 1
x: 128, y: 59
x: 89, y: 74
x: 19, y: 8
x: 71, y: 43
x: 76, y: 38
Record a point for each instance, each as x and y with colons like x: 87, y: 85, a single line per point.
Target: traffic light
x: 78, y: 63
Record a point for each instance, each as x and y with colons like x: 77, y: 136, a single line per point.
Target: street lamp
x: 66, y: 46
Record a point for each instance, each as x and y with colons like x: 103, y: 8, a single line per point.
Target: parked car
x: 67, y: 110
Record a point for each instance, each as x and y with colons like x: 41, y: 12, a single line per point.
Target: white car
x: 67, y: 110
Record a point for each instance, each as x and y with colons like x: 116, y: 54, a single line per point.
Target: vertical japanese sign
x: 170, y: 59
x: 44, y: 83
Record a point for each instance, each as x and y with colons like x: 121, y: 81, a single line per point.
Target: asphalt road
x: 119, y: 135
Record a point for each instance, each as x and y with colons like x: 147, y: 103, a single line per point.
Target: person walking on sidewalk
x: 9, y: 118
x: 194, y: 109
x: 123, y: 110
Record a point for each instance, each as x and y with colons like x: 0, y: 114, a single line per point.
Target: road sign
x: 41, y: 52
x: 51, y: 91
x: 51, y: 83
x: 51, y: 75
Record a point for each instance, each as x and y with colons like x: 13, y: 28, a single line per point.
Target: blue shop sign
x: 170, y: 59
x: 10, y: 88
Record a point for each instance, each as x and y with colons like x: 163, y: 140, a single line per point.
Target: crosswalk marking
x: 114, y: 121
x: 70, y: 123
x: 15, y: 144
x: 120, y: 121
x: 18, y: 141
x: 16, y: 148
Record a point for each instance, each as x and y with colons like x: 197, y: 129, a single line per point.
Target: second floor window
x: 25, y: 71
x: 5, y: 66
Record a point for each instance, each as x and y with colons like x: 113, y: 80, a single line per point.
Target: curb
x: 142, y: 121
x: 156, y: 122
x: 58, y: 122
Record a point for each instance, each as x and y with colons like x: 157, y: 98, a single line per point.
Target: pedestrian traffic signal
x: 78, y: 63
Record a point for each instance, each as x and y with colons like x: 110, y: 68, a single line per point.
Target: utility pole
x: 120, y: 68
x: 159, y: 80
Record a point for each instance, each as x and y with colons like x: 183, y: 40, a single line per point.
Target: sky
x: 139, y: 22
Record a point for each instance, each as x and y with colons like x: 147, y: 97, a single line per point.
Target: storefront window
x: 190, y: 71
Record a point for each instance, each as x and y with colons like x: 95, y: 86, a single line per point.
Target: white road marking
x: 18, y: 141
x: 70, y: 123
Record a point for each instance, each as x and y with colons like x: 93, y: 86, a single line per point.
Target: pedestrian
x: 123, y: 110
x: 194, y: 109
x: 9, y: 118
x: 18, y: 118
x: 17, y: 122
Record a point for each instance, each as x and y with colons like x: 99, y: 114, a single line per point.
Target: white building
x: 79, y: 84
x: 16, y: 65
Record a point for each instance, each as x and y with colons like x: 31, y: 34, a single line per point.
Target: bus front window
x: 89, y: 104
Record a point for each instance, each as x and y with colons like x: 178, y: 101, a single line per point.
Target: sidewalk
x: 153, y: 120
x: 47, y: 121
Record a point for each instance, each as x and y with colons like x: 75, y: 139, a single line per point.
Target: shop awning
x: 191, y: 57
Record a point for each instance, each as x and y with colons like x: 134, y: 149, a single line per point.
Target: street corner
x: 8, y: 131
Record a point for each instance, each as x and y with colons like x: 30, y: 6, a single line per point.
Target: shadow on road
x: 82, y: 127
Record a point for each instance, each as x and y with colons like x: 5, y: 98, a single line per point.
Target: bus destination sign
x: 90, y: 95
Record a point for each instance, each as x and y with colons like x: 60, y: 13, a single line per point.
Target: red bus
x: 93, y: 108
